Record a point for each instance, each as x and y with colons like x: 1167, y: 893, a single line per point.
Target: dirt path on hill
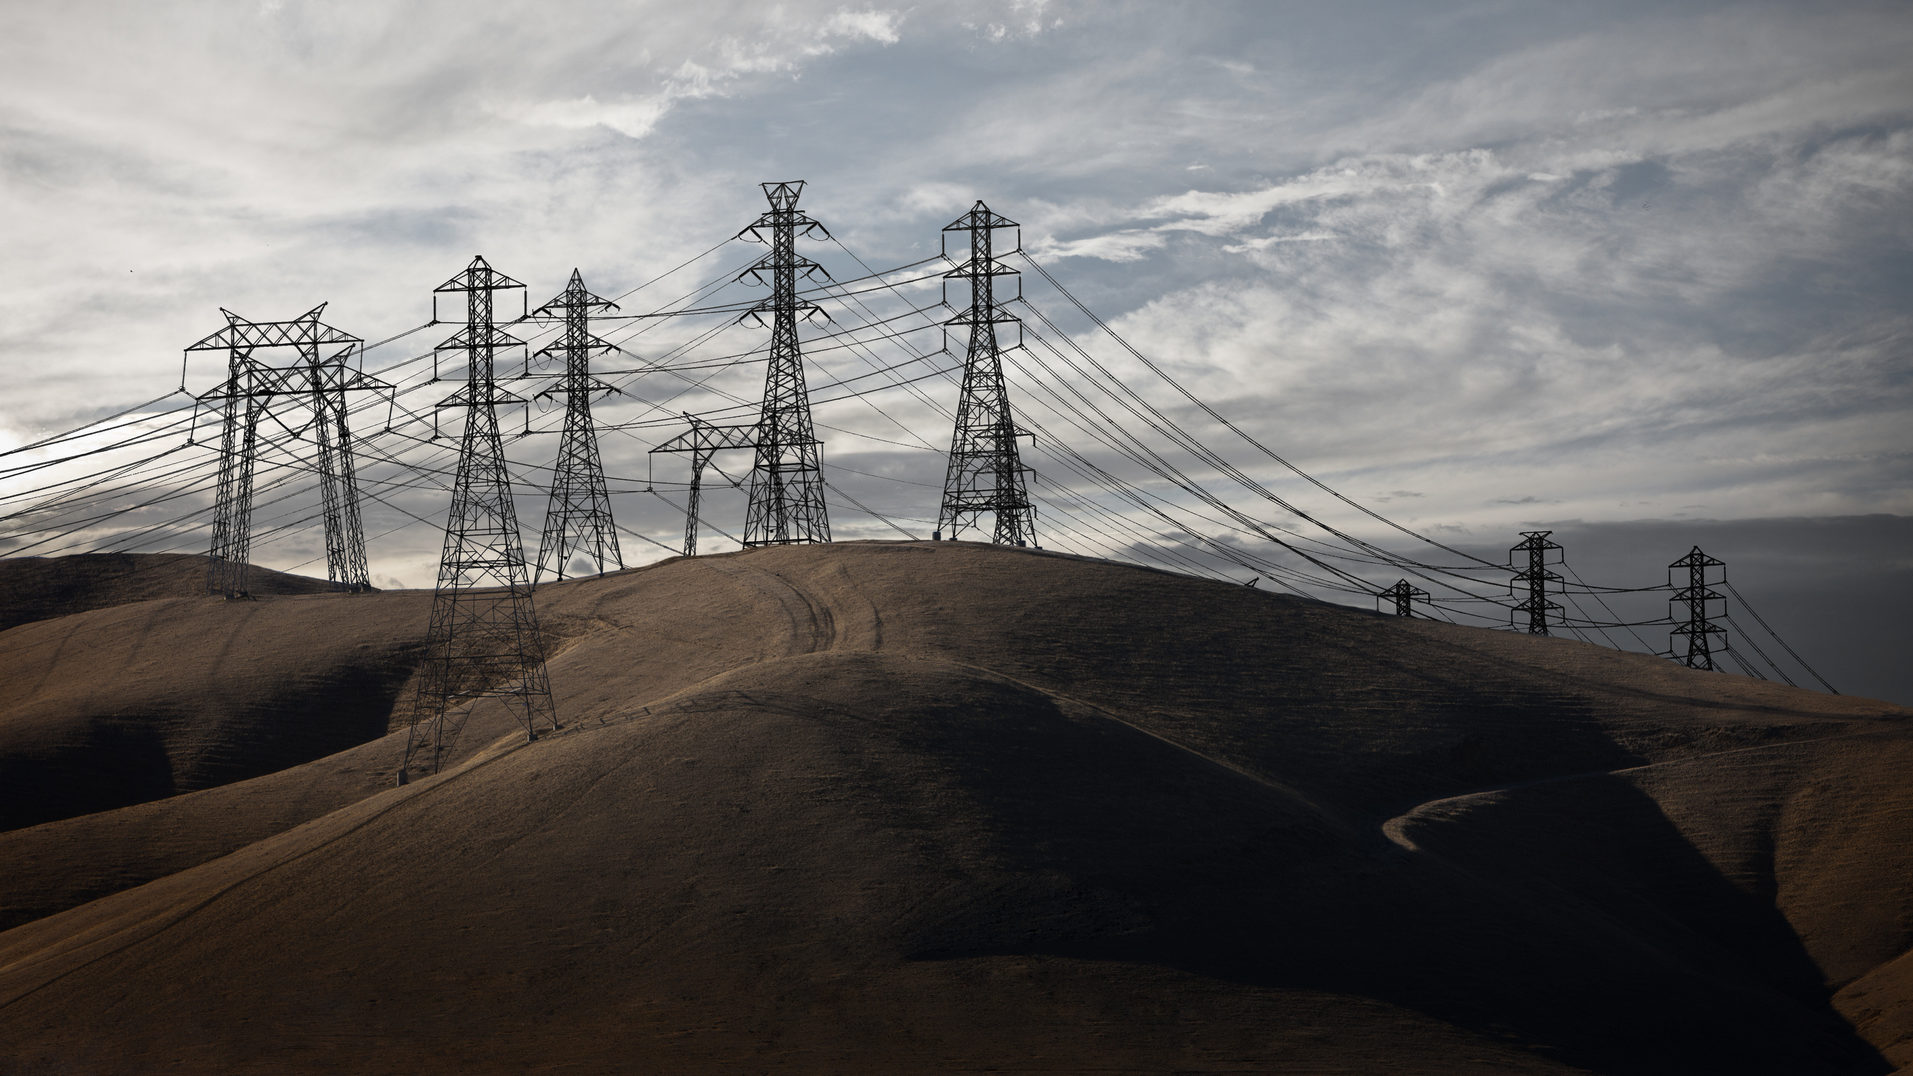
x: 1394, y: 828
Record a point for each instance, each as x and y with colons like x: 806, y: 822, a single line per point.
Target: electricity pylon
x: 703, y: 440
x: 787, y: 477
x: 1404, y: 595
x: 1535, y: 578
x: 483, y: 641
x: 323, y: 373
x: 1698, y: 628
x: 578, y: 517
x: 985, y: 473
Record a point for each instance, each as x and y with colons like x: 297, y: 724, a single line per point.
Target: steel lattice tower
x: 321, y: 378
x: 703, y: 440
x: 578, y: 518
x: 787, y: 478
x: 1699, y: 629
x: 1403, y: 594
x: 1535, y: 577
x: 238, y: 449
x: 484, y: 640
x: 985, y: 473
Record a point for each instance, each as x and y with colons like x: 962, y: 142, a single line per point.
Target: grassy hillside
x: 944, y: 807
x: 34, y: 588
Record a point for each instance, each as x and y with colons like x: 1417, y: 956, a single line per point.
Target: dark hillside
x: 37, y: 588
x: 914, y: 807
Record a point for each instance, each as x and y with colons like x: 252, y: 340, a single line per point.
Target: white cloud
x: 869, y: 25
x: 633, y: 119
x: 1110, y: 247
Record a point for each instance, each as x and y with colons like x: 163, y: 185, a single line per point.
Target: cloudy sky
x: 1622, y: 271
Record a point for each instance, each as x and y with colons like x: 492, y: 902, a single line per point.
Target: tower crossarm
x: 704, y: 437
x: 304, y: 398
x: 702, y: 441
x: 306, y: 330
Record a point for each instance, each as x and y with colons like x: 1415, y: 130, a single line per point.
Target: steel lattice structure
x: 703, y: 440
x: 985, y: 473
x: 1403, y: 594
x: 317, y: 383
x: 578, y: 517
x: 787, y: 477
x: 1535, y: 577
x: 483, y: 641
x: 1699, y: 629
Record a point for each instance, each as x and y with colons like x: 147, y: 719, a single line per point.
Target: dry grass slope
x: 35, y: 588
x: 912, y: 807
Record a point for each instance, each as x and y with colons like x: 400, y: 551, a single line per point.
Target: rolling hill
x: 898, y: 807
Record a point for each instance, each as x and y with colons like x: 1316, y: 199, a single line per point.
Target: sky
x: 1641, y: 274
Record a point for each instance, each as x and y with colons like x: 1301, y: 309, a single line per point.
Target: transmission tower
x: 483, y: 641
x: 703, y: 440
x: 319, y: 379
x: 787, y: 478
x: 1698, y: 629
x: 578, y: 517
x: 985, y: 474
x: 1404, y: 595
x: 1535, y: 579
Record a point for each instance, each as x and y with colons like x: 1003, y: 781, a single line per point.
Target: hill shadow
x: 114, y: 760
x: 1591, y: 932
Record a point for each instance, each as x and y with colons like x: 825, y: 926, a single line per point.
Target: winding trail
x: 1395, y: 829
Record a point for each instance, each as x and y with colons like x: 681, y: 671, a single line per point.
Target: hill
x: 34, y: 588
x: 948, y: 807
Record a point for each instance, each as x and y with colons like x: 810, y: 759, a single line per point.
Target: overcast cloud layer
x: 1487, y: 267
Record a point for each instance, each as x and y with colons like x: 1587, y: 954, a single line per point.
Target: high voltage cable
x: 738, y: 358
x: 1136, y: 497
x: 839, y: 292
x: 693, y: 259
x: 1082, y: 513
x: 1160, y: 554
x: 746, y: 307
x: 1101, y: 431
x: 1168, y: 427
x: 1232, y: 427
x: 1747, y: 637
x: 867, y: 510
x: 1745, y: 604
x: 934, y: 404
x: 92, y: 481
x: 1604, y: 605
x: 83, y: 483
x: 1229, y: 552
x: 1170, y: 472
x: 84, y: 430
x: 1162, y: 424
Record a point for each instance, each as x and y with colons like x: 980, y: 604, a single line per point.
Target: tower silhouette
x: 787, y: 477
x: 1403, y: 594
x: 1698, y: 629
x: 317, y: 382
x: 1535, y: 579
x: 578, y: 518
x: 984, y: 473
x: 483, y: 640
